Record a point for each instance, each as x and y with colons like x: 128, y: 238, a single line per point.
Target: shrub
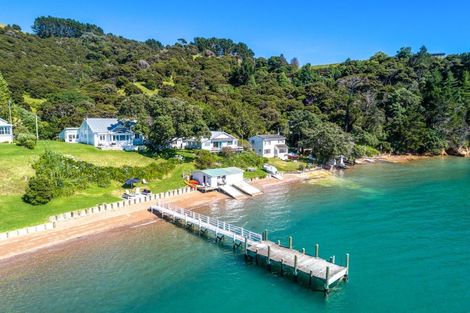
x: 131, y: 89
x: 58, y: 175
x: 26, y: 140
x: 205, y: 159
x: 150, y: 84
x: 40, y: 191
x: 226, y: 152
x: 244, y: 160
x: 360, y: 151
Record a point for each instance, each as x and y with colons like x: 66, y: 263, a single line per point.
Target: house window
x: 4, y: 130
x: 229, y: 143
x: 252, y: 142
x: 282, y: 151
x: 102, y: 137
x: 267, y: 151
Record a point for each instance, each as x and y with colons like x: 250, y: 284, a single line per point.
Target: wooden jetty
x: 257, y: 247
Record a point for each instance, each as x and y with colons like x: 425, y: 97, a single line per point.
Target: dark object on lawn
x: 131, y: 182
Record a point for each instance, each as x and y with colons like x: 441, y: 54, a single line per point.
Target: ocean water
x: 406, y: 227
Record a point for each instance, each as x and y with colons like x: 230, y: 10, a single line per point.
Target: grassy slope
x: 15, y: 168
x: 14, y: 213
x: 15, y: 161
x: 285, y: 166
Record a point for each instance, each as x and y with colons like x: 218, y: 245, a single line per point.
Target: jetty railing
x: 257, y: 247
x: 200, y: 219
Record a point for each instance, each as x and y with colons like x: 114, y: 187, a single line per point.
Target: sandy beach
x: 132, y: 216
x: 391, y: 158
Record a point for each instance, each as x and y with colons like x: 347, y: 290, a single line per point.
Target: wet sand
x: 132, y: 216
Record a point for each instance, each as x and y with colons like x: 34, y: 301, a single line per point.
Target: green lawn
x: 15, y: 168
x: 172, y: 181
x: 286, y: 166
x: 14, y: 213
x: 15, y: 161
x: 258, y: 173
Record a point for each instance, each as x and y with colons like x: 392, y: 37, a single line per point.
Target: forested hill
x: 409, y: 102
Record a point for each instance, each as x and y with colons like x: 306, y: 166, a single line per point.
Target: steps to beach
x: 247, y: 188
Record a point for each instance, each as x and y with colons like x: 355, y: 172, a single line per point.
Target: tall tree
x: 5, y: 96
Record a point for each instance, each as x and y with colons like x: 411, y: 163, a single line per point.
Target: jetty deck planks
x: 257, y: 245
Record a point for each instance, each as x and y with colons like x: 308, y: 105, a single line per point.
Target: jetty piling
x: 257, y: 247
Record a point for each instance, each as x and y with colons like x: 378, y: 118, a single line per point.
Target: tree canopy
x: 412, y: 102
x: 48, y: 26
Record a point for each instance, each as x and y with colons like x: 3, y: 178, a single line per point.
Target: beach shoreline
x: 392, y: 158
x: 133, y: 216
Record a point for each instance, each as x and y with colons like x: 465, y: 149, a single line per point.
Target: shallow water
x: 406, y: 226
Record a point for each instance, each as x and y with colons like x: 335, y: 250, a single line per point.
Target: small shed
x: 69, y: 134
x: 218, y: 176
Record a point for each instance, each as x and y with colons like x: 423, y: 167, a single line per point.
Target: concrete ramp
x: 231, y: 191
x: 247, y: 188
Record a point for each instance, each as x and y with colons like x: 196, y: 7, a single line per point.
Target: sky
x: 316, y: 32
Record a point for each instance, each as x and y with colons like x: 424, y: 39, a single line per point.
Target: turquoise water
x: 407, y: 228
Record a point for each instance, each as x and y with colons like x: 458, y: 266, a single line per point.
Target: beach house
x: 69, y: 134
x: 109, y: 133
x: 6, y: 131
x: 270, y: 146
x: 215, y: 143
x: 215, y: 177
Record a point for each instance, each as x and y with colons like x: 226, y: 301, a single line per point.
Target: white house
x: 270, y: 146
x: 69, y: 134
x: 109, y: 133
x: 215, y: 143
x: 6, y: 131
x: 218, y: 176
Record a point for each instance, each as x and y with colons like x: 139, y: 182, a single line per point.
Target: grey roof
x: 3, y: 122
x: 215, y: 134
x: 101, y: 125
x: 214, y: 172
x: 267, y: 136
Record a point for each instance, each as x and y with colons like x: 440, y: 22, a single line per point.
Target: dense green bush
x: 410, y: 102
x: 58, y: 175
x: 226, y: 152
x: 244, y: 160
x: 26, y: 140
x: 40, y: 191
x: 362, y: 151
x: 205, y: 159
